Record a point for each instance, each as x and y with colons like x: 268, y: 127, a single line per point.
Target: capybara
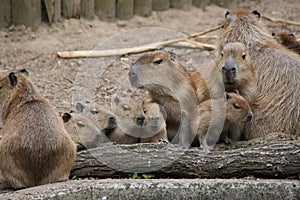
x: 83, y: 131
x: 169, y: 84
x: 102, y: 117
x: 155, y: 124
x: 35, y: 148
x: 277, y: 73
x: 237, y: 70
x: 222, y: 119
x: 288, y: 40
x: 130, y: 120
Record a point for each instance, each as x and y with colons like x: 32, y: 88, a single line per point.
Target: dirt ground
x: 57, y: 79
x: 66, y: 81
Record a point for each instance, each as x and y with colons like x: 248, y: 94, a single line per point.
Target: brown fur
x: 35, y: 148
x: 235, y: 54
x: 288, y: 40
x: 102, y: 117
x: 169, y: 84
x: 130, y: 120
x: 83, y: 131
x: 276, y: 109
x: 155, y: 125
x: 232, y: 112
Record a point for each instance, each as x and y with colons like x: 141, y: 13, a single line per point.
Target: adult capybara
x: 35, y: 148
x: 170, y: 85
x: 277, y: 73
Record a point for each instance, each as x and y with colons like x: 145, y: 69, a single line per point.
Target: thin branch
x: 281, y: 21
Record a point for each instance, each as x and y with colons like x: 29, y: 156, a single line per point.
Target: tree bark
x: 201, y: 3
x: 53, y: 9
x: 87, y: 9
x: 160, y: 5
x: 105, y: 9
x: 181, y: 4
x: 124, y: 9
x: 5, y: 15
x: 143, y: 8
x: 70, y: 8
x: 275, y: 160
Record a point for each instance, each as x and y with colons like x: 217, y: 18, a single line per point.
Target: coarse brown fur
x: 235, y: 56
x: 169, y: 84
x: 130, y: 120
x: 83, y: 131
x: 35, y: 148
x: 288, y: 40
x: 104, y: 119
x: 155, y: 124
x: 277, y: 73
x: 222, y: 119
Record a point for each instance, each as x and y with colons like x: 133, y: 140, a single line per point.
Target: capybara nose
x: 249, y: 117
x: 112, y: 119
x: 140, y: 119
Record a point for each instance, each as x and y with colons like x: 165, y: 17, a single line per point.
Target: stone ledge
x: 162, y: 189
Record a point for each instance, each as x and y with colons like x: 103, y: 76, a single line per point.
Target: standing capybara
x: 288, y: 40
x: 169, y: 84
x: 130, y: 120
x: 104, y: 119
x: 222, y: 120
x: 237, y: 70
x: 83, y: 131
x: 35, y: 148
x: 155, y: 124
x: 277, y: 73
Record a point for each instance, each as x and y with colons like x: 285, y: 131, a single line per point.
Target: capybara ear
x: 13, y: 79
x: 292, y: 35
x: 79, y: 107
x: 161, y: 48
x: 256, y: 14
x: 228, y: 17
x: 227, y: 96
x: 236, y: 91
x: 72, y: 111
x: 116, y: 100
x: 24, y: 71
x: 273, y: 34
x: 163, y: 111
x: 66, y: 117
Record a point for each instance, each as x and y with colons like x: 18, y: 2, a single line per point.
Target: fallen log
x: 275, y: 160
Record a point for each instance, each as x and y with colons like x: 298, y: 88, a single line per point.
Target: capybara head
x: 83, y: 131
x: 104, y: 118
x: 155, y: 116
x: 10, y: 87
x: 150, y: 65
x: 237, y: 108
x: 244, y: 25
x: 128, y: 109
x: 233, y: 61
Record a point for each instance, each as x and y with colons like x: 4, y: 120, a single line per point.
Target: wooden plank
x: 53, y: 10
x: 124, y: 9
x: 5, y: 14
x: 143, y: 8
x: 201, y: 3
x: 181, y: 4
x: 70, y: 8
x: 26, y: 12
x: 87, y: 9
x: 160, y: 5
x: 105, y: 9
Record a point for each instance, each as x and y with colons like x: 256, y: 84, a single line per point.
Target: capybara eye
x: 145, y: 111
x: 244, y: 56
x: 236, y: 106
x: 222, y: 54
x: 157, y: 62
x: 94, y: 111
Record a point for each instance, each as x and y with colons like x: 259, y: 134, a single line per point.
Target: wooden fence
x: 31, y: 13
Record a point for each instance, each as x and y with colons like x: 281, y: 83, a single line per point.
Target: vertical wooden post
x: 53, y: 10
x: 225, y: 3
x: 105, y: 9
x: 181, y: 4
x: 87, y: 9
x: 124, y: 9
x: 5, y: 14
x: 143, y: 7
x: 70, y: 8
x: 160, y: 5
x: 201, y: 3
x: 26, y: 12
